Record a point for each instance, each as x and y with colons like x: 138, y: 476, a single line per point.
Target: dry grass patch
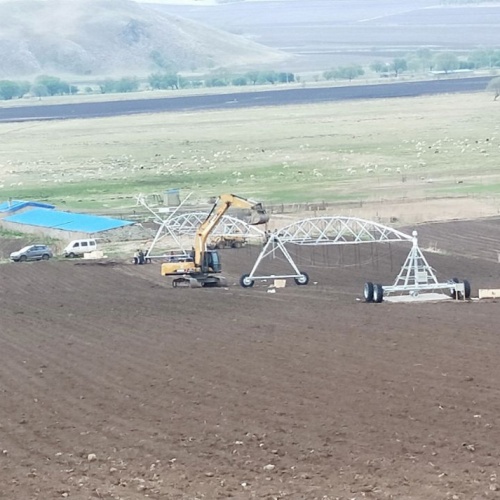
x: 386, y: 149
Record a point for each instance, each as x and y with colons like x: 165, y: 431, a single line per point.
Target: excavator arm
x: 221, y: 206
x: 201, y: 269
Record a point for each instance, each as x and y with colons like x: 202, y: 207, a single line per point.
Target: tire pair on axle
x: 373, y: 293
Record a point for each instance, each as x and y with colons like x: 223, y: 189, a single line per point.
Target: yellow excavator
x: 200, y: 268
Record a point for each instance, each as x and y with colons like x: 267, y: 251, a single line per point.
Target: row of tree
x: 220, y: 78
x: 423, y: 60
x: 43, y: 85
x: 46, y: 85
x: 172, y: 80
x: 443, y: 61
x: 125, y: 84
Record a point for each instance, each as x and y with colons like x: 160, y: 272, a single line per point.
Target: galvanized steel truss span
x: 338, y: 230
x: 186, y: 224
x: 415, y: 276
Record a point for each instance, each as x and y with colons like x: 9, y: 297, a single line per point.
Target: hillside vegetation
x: 110, y: 37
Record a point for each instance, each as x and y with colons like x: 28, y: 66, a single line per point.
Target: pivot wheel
x: 467, y: 290
x: 454, y: 294
x: 378, y: 294
x: 303, y: 279
x: 459, y: 295
x: 368, y: 291
x: 246, y: 281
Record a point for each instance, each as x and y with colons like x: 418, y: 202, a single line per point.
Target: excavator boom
x: 258, y: 216
x: 197, y: 270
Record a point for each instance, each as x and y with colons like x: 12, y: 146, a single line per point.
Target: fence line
x: 139, y: 215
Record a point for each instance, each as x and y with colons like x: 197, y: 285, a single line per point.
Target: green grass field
x: 344, y: 151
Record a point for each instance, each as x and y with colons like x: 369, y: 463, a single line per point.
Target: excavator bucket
x: 258, y: 215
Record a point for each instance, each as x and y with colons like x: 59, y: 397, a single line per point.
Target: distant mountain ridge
x: 113, y: 37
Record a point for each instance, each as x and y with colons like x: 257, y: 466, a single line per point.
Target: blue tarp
x: 66, y: 221
x: 15, y: 205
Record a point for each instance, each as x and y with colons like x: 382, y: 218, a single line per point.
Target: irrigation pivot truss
x: 187, y: 223
x: 338, y: 230
x: 415, y: 276
x: 180, y: 223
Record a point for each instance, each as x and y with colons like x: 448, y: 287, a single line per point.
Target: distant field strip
x: 407, y: 148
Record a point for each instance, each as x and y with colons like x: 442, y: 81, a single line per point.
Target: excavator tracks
x: 206, y: 282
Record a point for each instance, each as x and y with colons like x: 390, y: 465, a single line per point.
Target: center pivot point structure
x: 416, y: 276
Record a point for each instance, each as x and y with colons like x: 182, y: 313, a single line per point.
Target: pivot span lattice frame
x: 415, y: 276
x: 163, y: 223
x: 336, y: 230
x: 187, y: 224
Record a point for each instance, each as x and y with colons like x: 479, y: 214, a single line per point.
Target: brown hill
x: 113, y: 37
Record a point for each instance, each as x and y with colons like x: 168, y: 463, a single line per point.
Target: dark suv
x: 32, y: 252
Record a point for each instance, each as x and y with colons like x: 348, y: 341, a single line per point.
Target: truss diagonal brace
x: 273, y: 244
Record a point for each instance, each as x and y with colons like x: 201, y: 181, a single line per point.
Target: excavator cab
x: 211, y: 262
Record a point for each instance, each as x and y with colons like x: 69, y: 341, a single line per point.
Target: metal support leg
x: 274, y: 243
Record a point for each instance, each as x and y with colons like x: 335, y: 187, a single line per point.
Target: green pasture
x: 341, y: 151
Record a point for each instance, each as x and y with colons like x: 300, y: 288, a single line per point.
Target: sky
x: 197, y: 2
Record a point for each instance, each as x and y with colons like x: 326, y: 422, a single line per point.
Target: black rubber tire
x: 368, y: 291
x: 237, y: 244
x: 378, y: 294
x: 467, y: 290
x: 71, y: 255
x: 245, y: 282
x: 220, y: 245
x: 45, y: 256
x: 303, y: 280
x: 23, y: 258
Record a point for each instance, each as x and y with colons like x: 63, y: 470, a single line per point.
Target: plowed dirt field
x: 114, y: 385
